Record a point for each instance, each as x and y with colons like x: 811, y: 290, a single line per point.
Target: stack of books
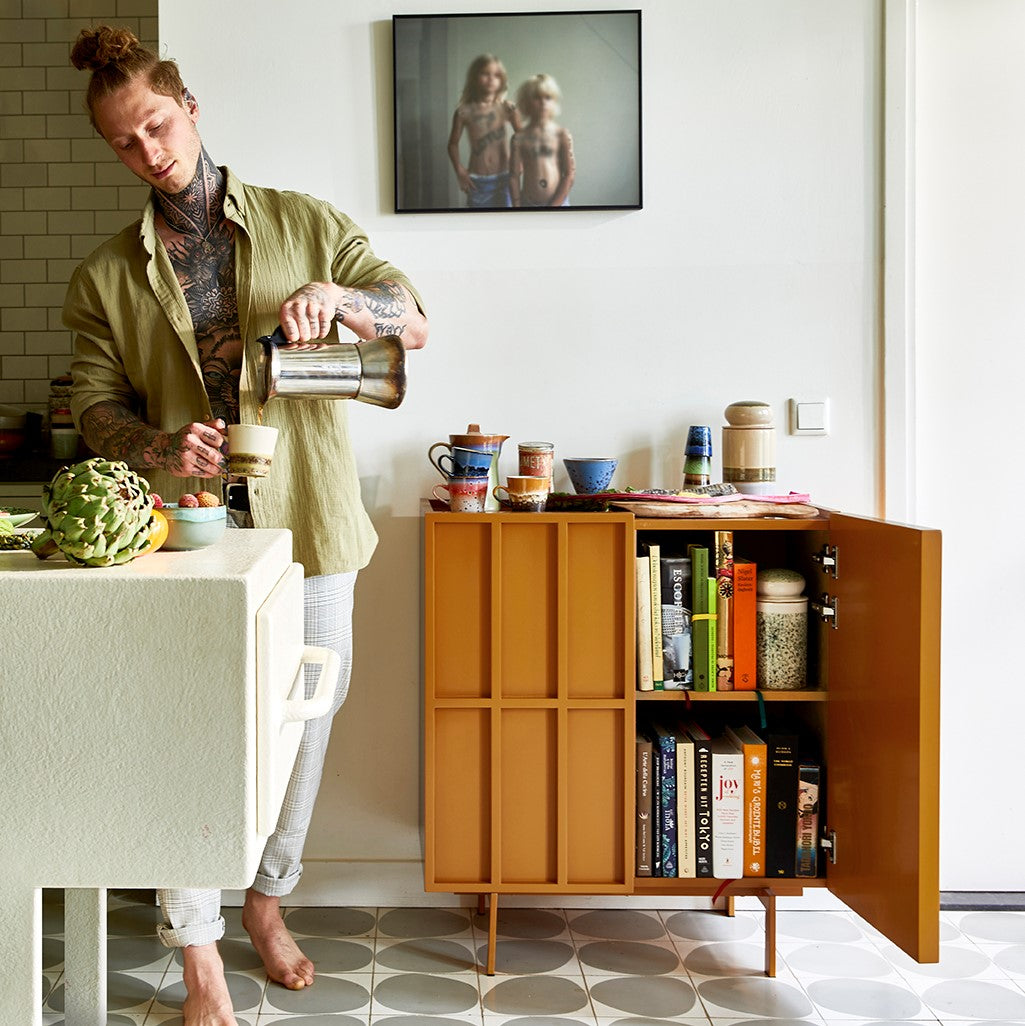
x: 696, y: 618
x: 730, y: 806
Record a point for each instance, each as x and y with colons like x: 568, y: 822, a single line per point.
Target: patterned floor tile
x: 973, y: 999
x: 343, y: 993
x: 424, y: 922
x: 532, y: 996
x: 658, y: 997
x: 425, y: 994
x: 698, y: 925
x: 618, y: 924
x: 246, y: 991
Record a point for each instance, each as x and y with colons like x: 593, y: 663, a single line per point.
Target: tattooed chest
x: 205, y: 269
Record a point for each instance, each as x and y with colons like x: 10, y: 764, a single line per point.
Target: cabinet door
x: 529, y: 678
x: 883, y: 728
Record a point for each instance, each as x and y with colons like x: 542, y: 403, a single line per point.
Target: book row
x: 727, y: 806
x: 696, y: 618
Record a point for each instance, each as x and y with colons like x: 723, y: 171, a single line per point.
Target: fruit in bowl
x: 193, y: 527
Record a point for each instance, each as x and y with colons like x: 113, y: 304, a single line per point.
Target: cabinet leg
x: 729, y: 908
x: 492, y: 933
x: 480, y: 904
x: 768, y: 900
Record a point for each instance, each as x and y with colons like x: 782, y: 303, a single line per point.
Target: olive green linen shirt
x: 135, y: 345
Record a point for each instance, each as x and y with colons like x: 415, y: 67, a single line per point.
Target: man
x: 161, y: 313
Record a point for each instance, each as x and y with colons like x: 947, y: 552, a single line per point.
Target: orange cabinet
x: 531, y: 709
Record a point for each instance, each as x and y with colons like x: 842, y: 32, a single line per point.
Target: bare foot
x: 284, y: 962
x: 207, y: 1001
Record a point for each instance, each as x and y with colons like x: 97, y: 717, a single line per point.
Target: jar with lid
x: 782, y: 630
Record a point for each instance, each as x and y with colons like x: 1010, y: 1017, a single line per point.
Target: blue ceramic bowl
x: 590, y: 474
x: 193, y: 527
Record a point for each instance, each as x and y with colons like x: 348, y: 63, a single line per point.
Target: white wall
x: 970, y: 355
x: 751, y: 272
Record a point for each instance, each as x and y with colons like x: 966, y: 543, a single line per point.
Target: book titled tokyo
x: 808, y: 783
x: 702, y: 798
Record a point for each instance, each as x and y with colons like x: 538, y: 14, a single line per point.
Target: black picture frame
x: 594, y: 58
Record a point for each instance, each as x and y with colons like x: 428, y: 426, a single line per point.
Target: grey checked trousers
x: 193, y: 916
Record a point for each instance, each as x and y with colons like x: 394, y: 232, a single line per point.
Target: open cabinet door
x: 883, y: 728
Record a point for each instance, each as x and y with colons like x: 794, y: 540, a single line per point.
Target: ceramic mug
x: 250, y: 449
x: 525, y: 493
x: 465, y: 494
x: 591, y: 473
x: 464, y: 462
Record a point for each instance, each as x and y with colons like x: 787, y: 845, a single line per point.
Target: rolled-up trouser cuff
x: 185, y: 936
x: 276, y: 887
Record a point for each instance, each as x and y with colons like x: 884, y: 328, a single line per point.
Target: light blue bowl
x: 590, y: 474
x: 193, y: 527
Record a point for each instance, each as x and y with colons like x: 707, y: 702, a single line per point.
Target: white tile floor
x: 419, y: 967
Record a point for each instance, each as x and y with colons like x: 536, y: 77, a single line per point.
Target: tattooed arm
x: 386, y: 308
x: 115, y: 432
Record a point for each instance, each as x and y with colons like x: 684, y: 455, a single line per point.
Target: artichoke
x: 97, y: 512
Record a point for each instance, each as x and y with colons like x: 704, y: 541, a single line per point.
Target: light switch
x: 809, y: 416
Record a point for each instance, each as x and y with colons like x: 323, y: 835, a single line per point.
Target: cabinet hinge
x: 828, y: 843
x: 829, y: 559
x: 827, y: 609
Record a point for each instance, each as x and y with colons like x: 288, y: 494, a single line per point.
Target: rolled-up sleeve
x: 97, y: 367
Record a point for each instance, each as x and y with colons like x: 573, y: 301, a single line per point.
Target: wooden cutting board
x: 727, y: 510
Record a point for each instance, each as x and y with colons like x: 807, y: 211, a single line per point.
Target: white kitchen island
x: 149, y: 718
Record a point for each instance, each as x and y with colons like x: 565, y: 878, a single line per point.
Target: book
x: 699, y: 615
x: 702, y: 798
x: 727, y: 809
x: 645, y: 681
x: 665, y: 753
x: 685, y: 803
x: 745, y: 625
x: 642, y: 844
x: 780, y: 805
x: 755, y: 752
x: 723, y: 610
x: 807, y: 839
x: 655, y: 588
x: 677, y: 672
x: 713, y: 633
x: 656, y: 802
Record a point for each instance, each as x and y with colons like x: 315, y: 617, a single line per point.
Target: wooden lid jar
x: 749, y: 447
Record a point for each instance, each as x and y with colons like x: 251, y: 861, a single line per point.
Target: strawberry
x: 158, y: 503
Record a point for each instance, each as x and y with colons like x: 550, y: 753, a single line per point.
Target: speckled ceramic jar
x: 782, y: 631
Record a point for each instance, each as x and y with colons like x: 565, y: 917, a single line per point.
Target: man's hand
x: 309, y: 312
x: 192, y: 451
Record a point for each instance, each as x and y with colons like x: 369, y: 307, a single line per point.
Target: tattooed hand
x: 192, y: 451
x: 384, y: 308
x: 309, y: 312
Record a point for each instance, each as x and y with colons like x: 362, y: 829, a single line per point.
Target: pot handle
x: 298, y: 710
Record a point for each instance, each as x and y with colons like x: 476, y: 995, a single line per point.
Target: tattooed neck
x: 198, y: 208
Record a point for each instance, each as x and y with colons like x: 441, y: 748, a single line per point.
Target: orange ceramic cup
x: 524, y: 492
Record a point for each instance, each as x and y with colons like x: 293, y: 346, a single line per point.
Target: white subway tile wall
x: 62, y: 191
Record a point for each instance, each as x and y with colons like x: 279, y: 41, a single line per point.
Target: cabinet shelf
x: 805, y: 695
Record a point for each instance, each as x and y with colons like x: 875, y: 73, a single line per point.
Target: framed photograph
x: 517, y: 111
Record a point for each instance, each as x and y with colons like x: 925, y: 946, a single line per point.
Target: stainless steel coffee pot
x: 373, y: 371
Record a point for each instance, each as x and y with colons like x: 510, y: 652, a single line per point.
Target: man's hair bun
x: 95, y: 49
